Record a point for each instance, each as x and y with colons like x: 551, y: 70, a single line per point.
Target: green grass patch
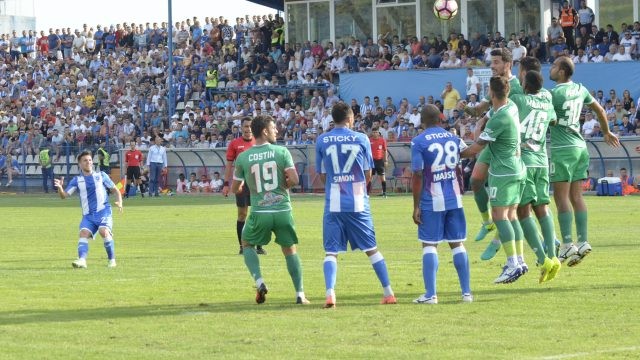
x: 181, y: 291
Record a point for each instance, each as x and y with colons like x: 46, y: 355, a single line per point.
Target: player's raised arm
x: 607, y: 135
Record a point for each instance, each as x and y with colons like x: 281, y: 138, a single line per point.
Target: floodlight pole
x: 171, y: 102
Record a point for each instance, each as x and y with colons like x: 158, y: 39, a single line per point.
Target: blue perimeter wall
x: 412, y: 83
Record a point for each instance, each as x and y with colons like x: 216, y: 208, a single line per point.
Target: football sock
x: 252, y: 262
x: 519, y: 240
x: 581, y: 226
x: 380, y: 267
x: 533, y: 238
x: 548, y: 234
x: 109, y: 247
x: 429, y: 269
x: 239, y: 226
x: 461, y: 262
x: 83, y: 248
x: 384, y: 187
x: 295, y: 271
x: 330, y: 268
x: 507, y: 237
x: 566, y: 222
x: 486, y: 219
x: 482, y: 200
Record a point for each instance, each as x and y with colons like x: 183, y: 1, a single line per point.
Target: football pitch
x: 181, y: 291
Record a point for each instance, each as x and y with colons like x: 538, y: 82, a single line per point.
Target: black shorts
x: 244, y: 198
x: 378, y: 167
x: 133, y: 172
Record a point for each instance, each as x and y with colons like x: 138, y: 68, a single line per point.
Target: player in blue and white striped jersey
x: 96, y: 211
x: 437, y: 202
x: 344, y: 161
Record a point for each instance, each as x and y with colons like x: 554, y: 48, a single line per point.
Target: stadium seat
x: 180, y: 106
x: 195, y: 96
x: 74, y: 170
x: 31, y: 170
x: 190, y: 103
x: 221, y: 84
x: 115, y: 158
x: 30, y: 159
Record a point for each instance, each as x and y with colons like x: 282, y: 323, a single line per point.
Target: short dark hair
x: 530, y: 63
x: 565, y: 64
x: 532, y: 81
x: 499, y: 87
x: 504, y: 53
x: 260, y: 123
x: 83, y: 154
x: 341, y: 112
x: 430, y: 115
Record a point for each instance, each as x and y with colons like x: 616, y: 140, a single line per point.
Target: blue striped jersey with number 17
x: 436, y: 153
x: 343, y: 156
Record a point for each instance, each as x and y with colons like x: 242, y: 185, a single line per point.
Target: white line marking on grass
x: 590, y: 353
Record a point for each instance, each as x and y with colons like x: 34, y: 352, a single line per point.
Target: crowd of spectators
x: 71, y: 90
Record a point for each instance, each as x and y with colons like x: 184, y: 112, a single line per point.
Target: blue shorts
x: 439, y: 226
x: 355, y: 228
x: 93, y: 222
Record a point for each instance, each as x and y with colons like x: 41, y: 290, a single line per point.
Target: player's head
x: 132, y: 144
x: 532, y: 82
x: 85, y: 161
x: 430, y: 116
x: 498, y: 87
x: 342, y: 114
x: 246, y: 128
x: 501, y: 60
x: 562, y: 69
x: 263, y: 128
x: 375, y: 132
x: 528, y: 63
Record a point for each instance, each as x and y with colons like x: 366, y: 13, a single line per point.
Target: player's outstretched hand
x: 225, y: 190
x: 612, y: 139
x: 58, y: 182
x: 119, y: 205
x: 416, y: 216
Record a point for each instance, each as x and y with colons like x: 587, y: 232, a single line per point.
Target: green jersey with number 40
x: 536, y: 112
x: 568, y: 99
x: 262, y: 168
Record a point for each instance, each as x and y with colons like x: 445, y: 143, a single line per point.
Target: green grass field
x: 180, y: 290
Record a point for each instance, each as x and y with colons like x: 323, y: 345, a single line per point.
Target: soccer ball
x: 445, y: 9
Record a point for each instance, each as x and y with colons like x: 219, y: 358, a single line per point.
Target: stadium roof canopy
x: 274, y: 4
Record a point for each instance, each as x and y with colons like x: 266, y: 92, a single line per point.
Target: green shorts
x: 259, y: 226
x: 505, y: 190
x: 484, y: 156
x: 536, y: 187
x: 569, y: 164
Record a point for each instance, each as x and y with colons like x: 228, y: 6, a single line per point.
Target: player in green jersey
x: 536, y: 111
x: 570, y: 158
x: 269, y: 172
x: 506, y: 171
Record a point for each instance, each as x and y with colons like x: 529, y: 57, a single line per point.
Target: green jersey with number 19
x: 503, y: 134
x: 262, y: 168
x: 536, y: 112
x: 568, y: 99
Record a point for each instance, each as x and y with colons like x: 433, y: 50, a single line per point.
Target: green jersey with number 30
x: 262, y: 168
x: 503, y: 134
x: 536, y: 111
x: 568, y: 99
